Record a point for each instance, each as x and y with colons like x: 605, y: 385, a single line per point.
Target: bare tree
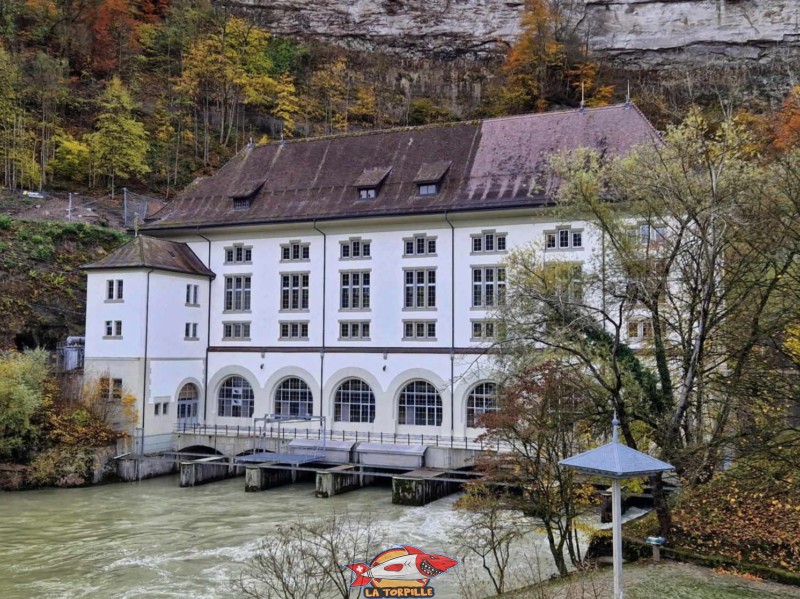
x: 305, y: 558
x: 489, y: 532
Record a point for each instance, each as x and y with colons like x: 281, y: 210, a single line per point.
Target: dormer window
x: 243, y: 193
x: 370, y: 181
x: 427, y: 189
x: 429, y: 177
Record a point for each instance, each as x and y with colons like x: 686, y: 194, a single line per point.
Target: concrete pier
x: 130, y: 469
x: 422, y: 486
x: 260, y: 478
x: 340, y: 479
x: 206, y: 470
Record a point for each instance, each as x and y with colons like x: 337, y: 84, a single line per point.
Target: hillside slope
x: 42, y: 290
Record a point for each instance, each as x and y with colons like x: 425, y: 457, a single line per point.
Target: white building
x: 351, y: 276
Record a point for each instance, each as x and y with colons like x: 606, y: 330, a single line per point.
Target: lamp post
x: 617, y: 462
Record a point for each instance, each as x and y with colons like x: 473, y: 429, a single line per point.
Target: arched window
x: 420, y: 404
x: 354, y: 402
x: 293, y: 399
x: 482, y: 399
x: 187, y: 401
x: 235, y: 398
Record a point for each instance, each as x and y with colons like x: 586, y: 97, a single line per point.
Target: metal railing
x: 357, y: 436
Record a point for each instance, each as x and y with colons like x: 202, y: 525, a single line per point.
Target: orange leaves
x: 787, y: 122
x: 749, y: 514
x: 115, y: 36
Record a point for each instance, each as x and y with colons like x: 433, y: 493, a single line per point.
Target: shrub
x: 22, y: 380
x: 6, y: 222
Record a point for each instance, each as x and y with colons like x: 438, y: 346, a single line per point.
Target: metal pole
x: 616, y: 518
x: 69, y: 210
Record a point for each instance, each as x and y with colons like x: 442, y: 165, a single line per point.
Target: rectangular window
x: 295, y: 252
x: 640, y: 330
x: 355, y: 294
x: 114, y: 290
x: 353, y: 330
x: 488, y: 286
x: 237, y: 293
x: 293, y: 330
x: 238, y: 254
x: 190, y: 330
x: 482, y: 330
x: 110, y: 389
x: 113, y: 328
x: 427, y: 189
x: 355, y: 248
x: 563, y: 239
x: 242, y: 203
x: 419, y: 329
x: 420, y: 245
x: 192, y: 295
x: 236, y: 331
x: 164, y: 408
x: 488, y: 242
x: 157, y: 409
x: 294, y: 291
x: 564, y: 279
x: 420, y: 288
x: 367, y: 193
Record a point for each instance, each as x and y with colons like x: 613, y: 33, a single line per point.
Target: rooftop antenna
x: 583, y: 99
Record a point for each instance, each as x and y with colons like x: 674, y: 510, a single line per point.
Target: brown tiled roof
x: 150, y: 252
x: 497, y: 163
x: 432, y: 172
x: 372, y: 177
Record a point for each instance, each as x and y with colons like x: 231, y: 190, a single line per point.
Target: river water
x: 153, y: 539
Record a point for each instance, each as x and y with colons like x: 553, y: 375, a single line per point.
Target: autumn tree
x: 671, y: 324
x: 548, y: 62
x: 786, y: 125
x: 115, y: 36
x: 228, y: 70
x: 22, y: 377
x: 119, y: 144
x: 542, y: 418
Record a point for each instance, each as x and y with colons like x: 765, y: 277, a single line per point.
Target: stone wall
x: 641, y: 33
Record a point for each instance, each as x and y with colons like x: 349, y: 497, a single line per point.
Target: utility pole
x: 69, y: 209
x: 125, y: 206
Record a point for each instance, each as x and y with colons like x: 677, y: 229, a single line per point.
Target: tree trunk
x: 663, y: 511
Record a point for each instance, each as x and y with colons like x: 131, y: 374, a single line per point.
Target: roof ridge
x: 367, y: 132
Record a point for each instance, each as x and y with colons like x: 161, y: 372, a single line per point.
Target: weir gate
x: 419, y: 468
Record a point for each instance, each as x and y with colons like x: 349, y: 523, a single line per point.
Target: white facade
x: 154, y: 314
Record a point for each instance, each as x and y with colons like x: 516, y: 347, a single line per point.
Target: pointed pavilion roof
x: 150, y: 252
x: 615, y: 460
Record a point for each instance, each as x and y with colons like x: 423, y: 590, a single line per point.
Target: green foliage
x: 119, y: 144
x: 6, y: 222
x: 422, y: 111
x: 61, y: 466
x: 22, y: 378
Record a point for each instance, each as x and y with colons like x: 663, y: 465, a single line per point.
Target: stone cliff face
x: 664, y: 33
x: 644, y: 33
